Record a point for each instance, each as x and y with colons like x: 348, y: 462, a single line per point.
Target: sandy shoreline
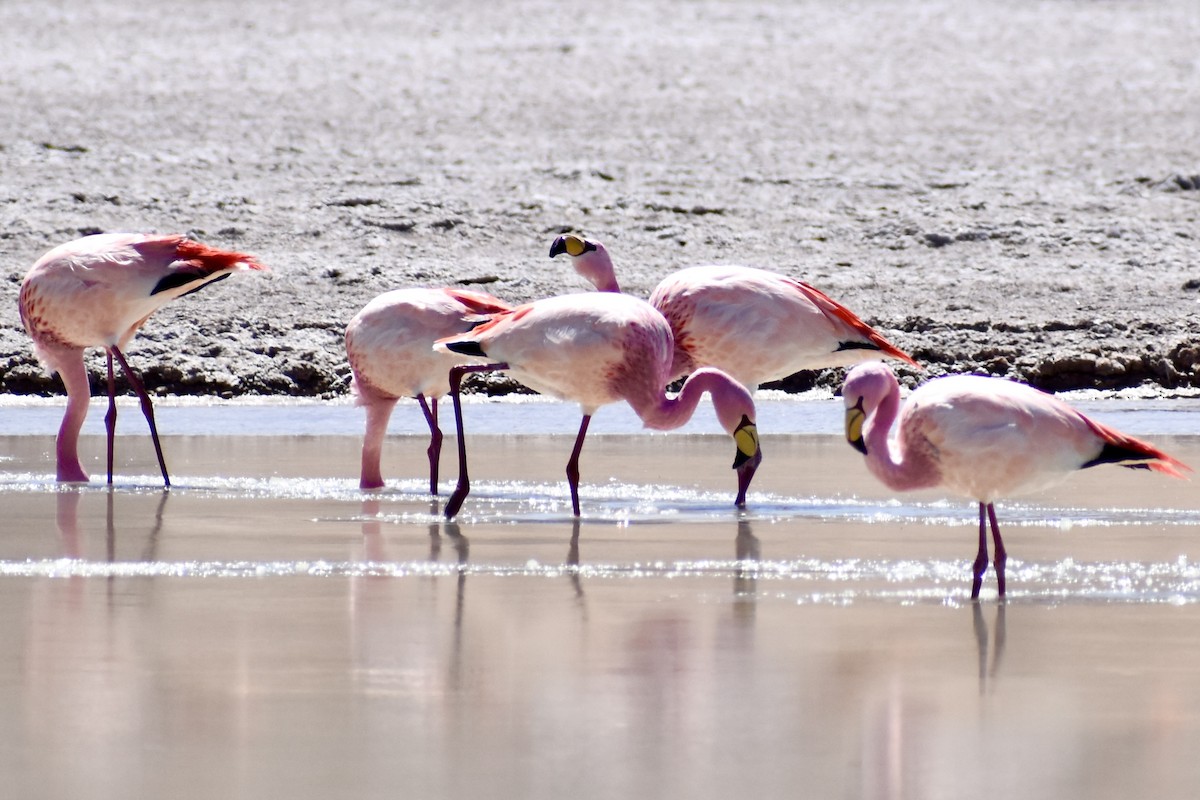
x: 1007, y: 189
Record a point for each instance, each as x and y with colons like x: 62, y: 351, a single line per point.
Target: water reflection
x: 988, y: 670
x: 573, y: 560
x: 66, y: 518
x: 748, y: 552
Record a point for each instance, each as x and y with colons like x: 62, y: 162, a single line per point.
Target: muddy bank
x: 1011, y: 190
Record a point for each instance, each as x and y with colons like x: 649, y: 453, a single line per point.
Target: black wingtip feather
x: 467, y: 348
x: 1115, y: 454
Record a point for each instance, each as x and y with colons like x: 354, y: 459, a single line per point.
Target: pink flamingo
x: 96, y: 292
x: 984, y: 438
x: 390, y: 347
x: 754, y: 324
x: 597, y: 349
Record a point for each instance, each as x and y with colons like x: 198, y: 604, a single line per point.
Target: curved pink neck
x: 79, y: 394
x: 731, y: 401
x: 914, y: 469
x: 597, y: 268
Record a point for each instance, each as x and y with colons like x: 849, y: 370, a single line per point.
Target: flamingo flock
x: 727, y: 329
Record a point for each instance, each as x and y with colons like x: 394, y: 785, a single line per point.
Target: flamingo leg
x: 1001, y: 555
x: 435, y: 439
x: 147, y: 409
x: 573, y: 464
x: 110, y: 419
x: 463, y: 488
x: 981, y: 558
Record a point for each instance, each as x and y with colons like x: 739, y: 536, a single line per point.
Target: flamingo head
x: 590, y: 259
x: 748, y: 456
x: 865, y: 388
x: 855, y: 417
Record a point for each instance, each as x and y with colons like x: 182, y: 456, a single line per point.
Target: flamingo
x: 97, y: 292
x: 597, y: 349
x: 390, y: 347
x: 984, y: 438
x: 754, y: 324
x: 389, y: 344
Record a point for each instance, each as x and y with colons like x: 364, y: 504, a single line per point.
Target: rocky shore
x: 1012, y: 189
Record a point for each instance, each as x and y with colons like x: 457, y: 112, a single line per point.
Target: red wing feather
x: 1156, y: 459
x: 478, y: 302
x: 833, y: 308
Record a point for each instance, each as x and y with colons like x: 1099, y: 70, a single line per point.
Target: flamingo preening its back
x: 96, y: 292
x: 984, y: 438
x: 596, y: 349
x: 754, y: 324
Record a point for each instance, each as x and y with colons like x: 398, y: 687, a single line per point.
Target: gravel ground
x: 1003, y: 187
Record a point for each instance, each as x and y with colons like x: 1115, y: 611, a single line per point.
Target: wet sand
x: 264, y: 629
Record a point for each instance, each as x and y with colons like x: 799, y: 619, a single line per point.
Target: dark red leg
x: 1001, y: 555
x: 464, y: 483
x: 573, y: 464
x: 435, y: 440
x: 981, y: 558
x: 147, y: 409
x: 110, y: 419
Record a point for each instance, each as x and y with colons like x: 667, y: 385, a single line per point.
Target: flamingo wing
x: 759, y: 326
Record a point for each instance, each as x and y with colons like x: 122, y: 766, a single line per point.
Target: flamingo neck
x: 597, y: 268
x: 731, y: 401
x: 902, y: 468
x: 79, y: 395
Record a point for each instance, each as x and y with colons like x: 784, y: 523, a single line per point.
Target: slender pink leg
x: 147, y: 409
x: 573, y: 464
x: 110, y: 419
x: 435, y: 440
x: 464, y: 482
x: 981, y: 558
x: 1001, y: 555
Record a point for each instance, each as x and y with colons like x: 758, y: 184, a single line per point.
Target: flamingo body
x: 600, y: 348
x: 760, y: 326
x: 390, y: 341
x: 96, y: 292
x: 390, y: 347
x: 981, y: 437
x: 753, y: 324
x: 590, y: 349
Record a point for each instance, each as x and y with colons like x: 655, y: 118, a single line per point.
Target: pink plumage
x: 96, y: 292
x: 390, y: 347
x: 596, y: 349
x: 981, y: 437
x: 754, y: 324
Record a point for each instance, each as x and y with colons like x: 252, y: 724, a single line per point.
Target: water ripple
x: 803, y: 581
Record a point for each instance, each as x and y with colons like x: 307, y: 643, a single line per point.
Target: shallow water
x: 266, y: 629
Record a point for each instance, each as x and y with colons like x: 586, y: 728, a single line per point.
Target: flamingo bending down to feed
x: 754, y: 324
x: 96, y: 292
x: 390, y: 347
x: 389, y: 344
x: 597, y: 349
x: 984, y: 438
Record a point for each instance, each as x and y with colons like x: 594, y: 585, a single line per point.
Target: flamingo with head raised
x: 754, y: 324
